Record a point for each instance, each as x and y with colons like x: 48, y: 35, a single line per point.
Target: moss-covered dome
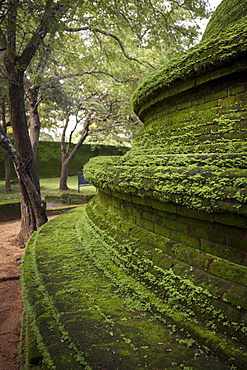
x: 220, y: 47
x: 228, y: 13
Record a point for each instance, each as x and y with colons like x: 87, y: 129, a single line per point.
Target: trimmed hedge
x: 49, y: 158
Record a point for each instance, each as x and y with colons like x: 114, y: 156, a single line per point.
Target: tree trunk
x: 64, y: 174
x: 32, y: 206
x: 32, y: 95
x: 32, y: 210
x: 6, y: 157
x: 7, y: 172
x: 67, y: 158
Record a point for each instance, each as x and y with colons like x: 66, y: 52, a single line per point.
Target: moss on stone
x: 227, y: 14
x: 209, y: 55
x: 104, y: 293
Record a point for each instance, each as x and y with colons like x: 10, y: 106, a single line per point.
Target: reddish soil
x: 11, y: 302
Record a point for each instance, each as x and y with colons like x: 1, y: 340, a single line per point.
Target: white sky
x: 214, y: 3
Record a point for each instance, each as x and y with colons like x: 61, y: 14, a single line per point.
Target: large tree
x: 27, y: 25
x: 24, y: 25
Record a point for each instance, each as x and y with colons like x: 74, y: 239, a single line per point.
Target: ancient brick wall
x: 181, y: 192
x: 209, y: 117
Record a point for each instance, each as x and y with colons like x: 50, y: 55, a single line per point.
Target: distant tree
x: 97, y: 54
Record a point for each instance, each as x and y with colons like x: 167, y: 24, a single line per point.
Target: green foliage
x: 101, y: 52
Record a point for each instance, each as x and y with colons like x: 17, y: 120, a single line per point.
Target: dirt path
x: 11, y: 302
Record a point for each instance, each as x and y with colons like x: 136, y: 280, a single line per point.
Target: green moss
x: 154, y: 251
x: 227, y: 13
x: 187, y: 180
x: 33, y: 354
x: 112, y: 291
x: 205, y: 57
x: 230, y: 271
x: 221, y: 251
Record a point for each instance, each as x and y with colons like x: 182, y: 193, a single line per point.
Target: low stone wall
x: 101, y: 292
x: 10, y: 211
x: 219, y: 234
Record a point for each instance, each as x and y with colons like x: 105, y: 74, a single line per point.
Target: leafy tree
x: 24, y: 25
x: 110, y: 33
x: 97, y: 54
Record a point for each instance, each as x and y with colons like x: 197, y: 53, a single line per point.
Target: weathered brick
x: 158, y: 229
x: 223, y: 252
x: 184, y: 105
x: 228, y: 101
x: 178, y: 226
x: 185, y: 239
x: 237, y: 89
x: 167, y: 207
x: 230, y: 271
x: 216, y: 96
x: 140, y: 200
x: 148, y: 225
x: 209, y: 235
x: 231, y: 220
x: 242, y: 99
x: 237, y: 243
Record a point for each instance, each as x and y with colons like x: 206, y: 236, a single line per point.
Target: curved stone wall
x: 182, y: 188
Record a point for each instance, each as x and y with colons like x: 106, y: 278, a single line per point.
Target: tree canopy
x: 64, y: 53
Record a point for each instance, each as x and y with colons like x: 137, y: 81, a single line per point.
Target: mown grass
x: 49, y: 187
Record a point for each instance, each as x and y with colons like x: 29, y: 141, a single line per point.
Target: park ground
x: 11, y: 302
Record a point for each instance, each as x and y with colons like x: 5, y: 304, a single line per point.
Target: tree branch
x: 64, y: 151
x: 86, y: 73
x: 21, y: 171
x: 51, y: 17
x: 119, y: 41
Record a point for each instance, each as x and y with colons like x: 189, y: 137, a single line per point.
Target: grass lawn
x: 48, y: 187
